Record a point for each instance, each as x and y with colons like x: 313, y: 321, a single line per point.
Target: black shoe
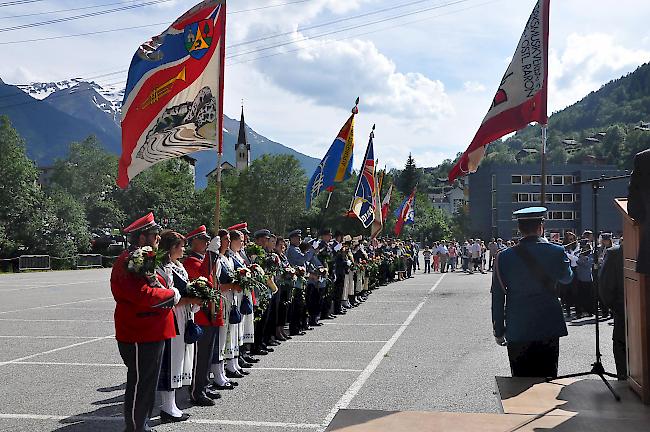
x: 230, y: 374
x: 212, y: 394
x: 226, y: 386
x: 327, y: 317
x: 244, y: 364
x: 168, y: 418
x: 298, y: 333
x: 287, y: 337
x: 318, y: 324
x: 244, y: 372
x: 272, y: 343
x: 203, y: 401
x: 259, y: 351
x: 249, y: 359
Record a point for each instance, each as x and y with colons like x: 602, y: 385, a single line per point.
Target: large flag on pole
x: 363, y: 203
x: 405, y: 213
x: 522, y: 94
x: 173, y: 104
x: 385, y: 205
x: 336, y: 166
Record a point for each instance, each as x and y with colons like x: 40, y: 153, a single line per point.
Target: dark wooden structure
x: 637, y: 310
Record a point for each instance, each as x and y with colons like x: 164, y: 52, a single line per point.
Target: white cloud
x: 587, y: 62
x: 333, y: 73
x: 473, y: 87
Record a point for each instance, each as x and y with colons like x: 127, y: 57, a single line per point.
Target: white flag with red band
x: 522, y: 94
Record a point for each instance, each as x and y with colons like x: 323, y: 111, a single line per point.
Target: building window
x: 568, y: 180
x: 516, y: 179
x: 515, y: 198
x: 563, y: 215
x: 526, y: 179
x: 537, y: 180
x: 537, y: 197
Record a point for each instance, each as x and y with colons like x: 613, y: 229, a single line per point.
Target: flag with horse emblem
x: 336, y: 166
x: 363, y: 203
x: 173, y: 103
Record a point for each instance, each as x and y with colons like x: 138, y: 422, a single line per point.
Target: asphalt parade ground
x: 420, y: 344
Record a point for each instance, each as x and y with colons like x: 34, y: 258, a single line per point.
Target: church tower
x: 242, y: 148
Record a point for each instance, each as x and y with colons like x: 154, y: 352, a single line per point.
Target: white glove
x: 501, y: 341
x: 215, y: 245
x: 338, y: 247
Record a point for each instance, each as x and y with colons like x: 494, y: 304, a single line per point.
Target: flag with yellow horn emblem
x: 173, y: 103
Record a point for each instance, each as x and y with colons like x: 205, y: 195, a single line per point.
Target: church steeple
x: 242, y: 148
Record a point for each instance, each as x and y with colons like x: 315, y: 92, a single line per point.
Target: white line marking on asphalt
x: 85, y: 309
x: 356, y: 386
x: 390, y: 301
x: 120, y: 365
x: 78, y: 418
x: 335, y: 341
x: 55, y: 320
x: 55, y: 305
x: 45, y: 337
x: 305, y: 369
x: 362, y: 324
x: 31, y: 287
x: 56, y: 350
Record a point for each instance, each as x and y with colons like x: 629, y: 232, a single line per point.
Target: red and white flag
x: 385, y: 205
x: 521, y: 98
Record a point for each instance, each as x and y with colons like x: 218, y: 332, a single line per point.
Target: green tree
x: 66, y: 230
x: 167, y: 189
x: 23, y: 206
x: 269, y: 194
x: 409, y: 177
x: 88, y: 174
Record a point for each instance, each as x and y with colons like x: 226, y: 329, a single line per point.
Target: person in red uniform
x: 143, y: 321
x: 199, y: 264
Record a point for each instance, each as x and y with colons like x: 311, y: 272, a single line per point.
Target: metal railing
x: 34, y: 262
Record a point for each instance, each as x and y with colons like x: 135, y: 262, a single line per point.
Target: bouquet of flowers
x: 299, y: 283
x: 143, y: 261
x: 200, y: 288
x: 272, y: 264
x: 244, y: 278
x: 288, y: 274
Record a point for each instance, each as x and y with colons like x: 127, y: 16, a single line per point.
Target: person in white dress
x: 178, y: 357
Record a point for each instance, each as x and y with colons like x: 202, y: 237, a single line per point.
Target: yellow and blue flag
x: 336, y: 166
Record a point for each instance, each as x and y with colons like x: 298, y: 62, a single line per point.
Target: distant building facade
x: 450, y: 202
x: 496, y: 191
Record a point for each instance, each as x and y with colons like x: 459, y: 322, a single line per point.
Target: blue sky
x: 426, y: 79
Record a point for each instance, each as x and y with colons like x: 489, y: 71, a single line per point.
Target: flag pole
x: 329, y: 197
x: 363, y: 164
x: 543, y: 167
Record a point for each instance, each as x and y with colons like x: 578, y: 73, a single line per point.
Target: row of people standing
x: 169, y: 339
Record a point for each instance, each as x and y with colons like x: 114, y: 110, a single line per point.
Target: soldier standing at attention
x: 526, y: 313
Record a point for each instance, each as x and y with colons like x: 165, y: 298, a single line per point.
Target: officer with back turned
x: 526, y: 313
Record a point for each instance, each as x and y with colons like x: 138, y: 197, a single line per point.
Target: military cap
x: 262, y: 233
x: 606, y: 236
x: 243, y: 227
x: 145, y: 223
x: 295, y: 233
x: 201, y: 231
x: 531, y: 213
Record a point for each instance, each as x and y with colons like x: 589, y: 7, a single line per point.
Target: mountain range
x: 49, y: 116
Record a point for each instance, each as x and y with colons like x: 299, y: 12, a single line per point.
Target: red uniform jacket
x: 197, y: 267
x: 143, y: 313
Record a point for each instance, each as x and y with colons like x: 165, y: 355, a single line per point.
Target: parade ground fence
x: 47, y: 262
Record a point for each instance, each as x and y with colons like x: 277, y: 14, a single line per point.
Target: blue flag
x: 363, y: 203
